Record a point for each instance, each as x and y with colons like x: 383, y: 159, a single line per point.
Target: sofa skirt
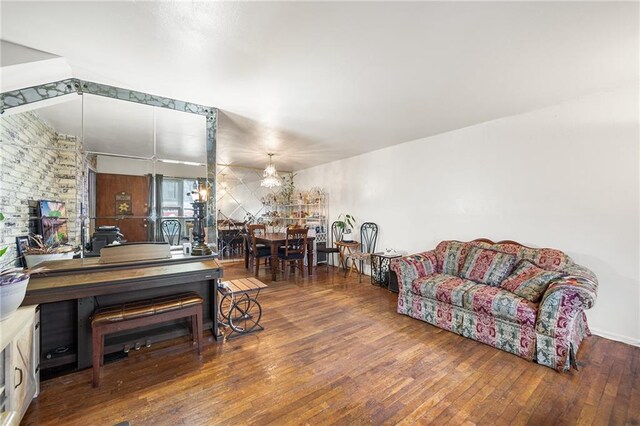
x: 518, y: 339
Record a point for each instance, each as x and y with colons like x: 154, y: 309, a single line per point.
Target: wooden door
x: 114, y: 193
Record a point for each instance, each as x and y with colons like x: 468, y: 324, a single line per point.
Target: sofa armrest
x: 564, y: 300
x: 408, y: 268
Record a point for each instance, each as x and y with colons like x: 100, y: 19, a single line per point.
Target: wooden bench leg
x: 98, y: 345
x: 199, y: 327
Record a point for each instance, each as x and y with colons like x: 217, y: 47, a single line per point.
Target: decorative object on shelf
x: 199, y: 197
x: 22, y: 244
x: 346, y: 223
x: 53, y: 221
x: 13, y: 284
x: 270, y: 178
x: 123, y: 204
x: 38, y: 251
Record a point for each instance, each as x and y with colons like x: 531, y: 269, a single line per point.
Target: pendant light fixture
x: 270, y: 175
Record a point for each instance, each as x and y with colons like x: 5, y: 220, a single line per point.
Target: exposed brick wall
x: 36, y: 163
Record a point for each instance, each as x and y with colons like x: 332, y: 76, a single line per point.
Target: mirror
x: 40, y: 160
x: 240, y: 201
x: 124, y: 170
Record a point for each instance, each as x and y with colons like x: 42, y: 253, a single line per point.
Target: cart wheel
x: 225, y: 307
x: 245, y: 315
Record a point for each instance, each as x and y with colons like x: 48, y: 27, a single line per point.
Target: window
x: 176, y: 203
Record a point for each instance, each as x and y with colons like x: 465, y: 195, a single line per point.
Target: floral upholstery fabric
x: 545, y: 258
x: 499, y: 303
x: 408, y: 268
x: 487, y: 266
x: 548, y: 333
x: 442, y: 287
x: 556, y: 352
x: 440, y: 314
x: 518, y: 339
x: 451, y: 255
x: 562, y: 302
x: 529, y: 281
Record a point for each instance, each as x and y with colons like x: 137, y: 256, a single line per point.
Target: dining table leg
x: 274, y: 260
x: 246, y: 254
x: 310, y: 257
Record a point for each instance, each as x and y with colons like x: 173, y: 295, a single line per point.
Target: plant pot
x: 347, y: 237
x: 11, y: 296
x: 33, y: 259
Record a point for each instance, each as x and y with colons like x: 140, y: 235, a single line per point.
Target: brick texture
x: 37, y: 163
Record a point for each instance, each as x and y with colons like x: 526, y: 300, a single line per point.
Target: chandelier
x: 270, y: 175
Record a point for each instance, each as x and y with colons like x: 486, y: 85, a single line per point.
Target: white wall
x: 566, y: 177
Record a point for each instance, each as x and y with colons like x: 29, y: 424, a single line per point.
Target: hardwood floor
x: 335, y: 351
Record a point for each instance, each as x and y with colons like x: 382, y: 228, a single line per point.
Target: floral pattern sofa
x: 523, y: 300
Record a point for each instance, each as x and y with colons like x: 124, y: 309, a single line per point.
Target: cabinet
x: 19, y: 370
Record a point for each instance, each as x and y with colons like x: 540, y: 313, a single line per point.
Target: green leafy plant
x: 288, y: 187
x: 345, y: 222
x: 38, y: 246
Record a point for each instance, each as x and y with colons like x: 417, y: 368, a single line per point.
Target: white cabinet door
x: 21, y: 369
x: 19, y: 377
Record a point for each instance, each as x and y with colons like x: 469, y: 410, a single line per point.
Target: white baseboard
x: 617, y: 337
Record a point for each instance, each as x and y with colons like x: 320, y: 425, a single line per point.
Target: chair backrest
x: 368, y: 237
x: 252, y: 230
x: 336, y: 233
x: 296, y: 241
x: 171, y: 229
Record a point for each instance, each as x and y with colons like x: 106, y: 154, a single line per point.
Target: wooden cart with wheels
x: 239, y: 308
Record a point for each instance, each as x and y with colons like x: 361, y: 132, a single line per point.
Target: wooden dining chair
x: 257, y: 251
x: 294, y: 250
x: 368, y: 239
x: 334, y: 236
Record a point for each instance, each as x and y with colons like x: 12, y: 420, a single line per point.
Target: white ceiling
x: 110, y: 126
x: 318, y: 81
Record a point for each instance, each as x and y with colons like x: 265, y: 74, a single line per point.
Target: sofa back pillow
x: 487, y: 266
x: 545, y: 258
x: 451, y: 255
x: 529, y: 281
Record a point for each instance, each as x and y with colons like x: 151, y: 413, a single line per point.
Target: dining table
x: 275, y: 241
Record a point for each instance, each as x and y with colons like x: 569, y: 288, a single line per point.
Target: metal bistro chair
x: 294, y: 249
x: 171, y: 230
x: 257, y: 251
x: 368, y: 239
x: 336, y: 234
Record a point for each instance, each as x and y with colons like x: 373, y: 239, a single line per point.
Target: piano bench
x: 127, y: 316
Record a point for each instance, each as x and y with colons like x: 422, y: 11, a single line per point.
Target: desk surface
x: 76, y: 278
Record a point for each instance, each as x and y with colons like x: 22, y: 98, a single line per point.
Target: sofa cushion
x: 529, y: 281
x: 500, y: 303
x: 545, y: 258
x: 487, y: 266
x: 451, y: 255
x: 442, y: 287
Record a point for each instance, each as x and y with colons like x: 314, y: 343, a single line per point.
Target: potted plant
x: 345, y: 224
x: 13, y: 284
x: 38, y: 251
x: 288, y: 188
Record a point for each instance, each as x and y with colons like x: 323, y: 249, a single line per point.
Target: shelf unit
x: 312, y: 215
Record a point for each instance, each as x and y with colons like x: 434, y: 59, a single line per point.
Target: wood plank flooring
x: 335, y: 352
